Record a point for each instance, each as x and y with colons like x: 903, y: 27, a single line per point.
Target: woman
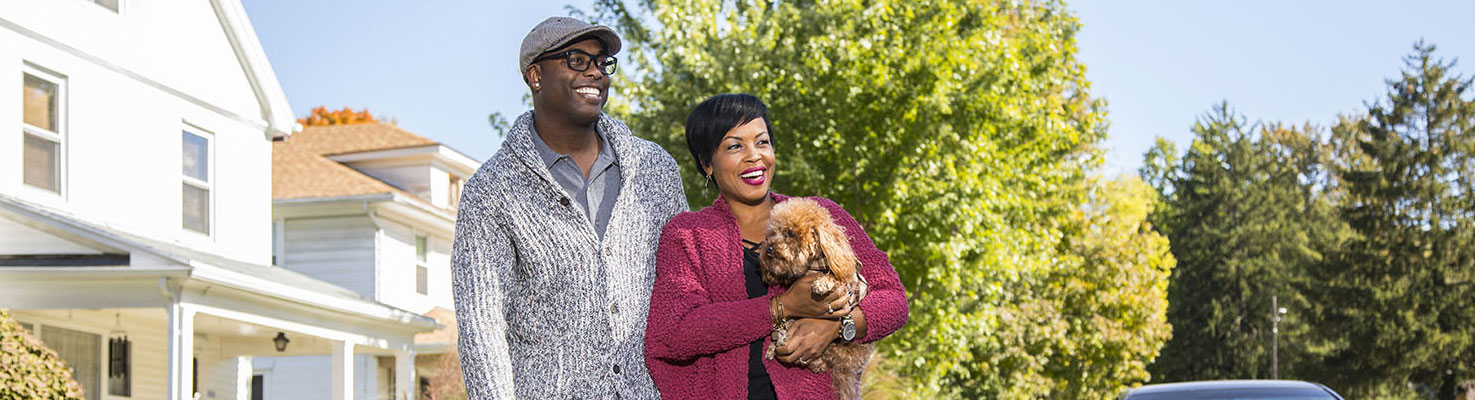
x: 711, y: 315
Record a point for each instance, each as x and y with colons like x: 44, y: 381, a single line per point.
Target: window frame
x: 422, y: 264
x: 103, y: 352
x: 59, y: 136
x: 208, y: 185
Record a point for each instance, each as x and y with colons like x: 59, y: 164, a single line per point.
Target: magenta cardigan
x: 701, y: 319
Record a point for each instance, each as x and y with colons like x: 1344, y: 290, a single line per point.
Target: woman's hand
x: 808, y: 339
x: 800, y: 302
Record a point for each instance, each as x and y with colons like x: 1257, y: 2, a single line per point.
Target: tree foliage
x: 1403, y: 285
x: 960, y: 134
x: 30, y: 370
x: 1365, y: 236
x: 321, y: 116
x: 1245, y: 224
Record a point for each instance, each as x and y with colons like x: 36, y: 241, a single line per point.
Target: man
x: 556, y: 236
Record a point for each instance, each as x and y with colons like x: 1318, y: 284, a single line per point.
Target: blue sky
x: 440, y: 67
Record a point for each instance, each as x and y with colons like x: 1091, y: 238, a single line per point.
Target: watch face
x: 847, y: 329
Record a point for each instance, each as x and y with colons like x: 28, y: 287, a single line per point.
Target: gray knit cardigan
x: 546, y: 310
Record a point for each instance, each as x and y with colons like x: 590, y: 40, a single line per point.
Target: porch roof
x: 262, y: 279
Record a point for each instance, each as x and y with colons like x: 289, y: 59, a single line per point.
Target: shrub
x: 30, y: 370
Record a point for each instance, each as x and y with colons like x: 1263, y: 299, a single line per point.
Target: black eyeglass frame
x: 608, y: 66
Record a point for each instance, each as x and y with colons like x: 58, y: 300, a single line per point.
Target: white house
x: 369, y: 207
x: 135, y: 200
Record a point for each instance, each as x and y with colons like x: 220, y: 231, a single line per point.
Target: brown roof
x: 301, y: 169
x: 447, y: 331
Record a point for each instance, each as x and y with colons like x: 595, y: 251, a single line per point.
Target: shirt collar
x: 551, y: 157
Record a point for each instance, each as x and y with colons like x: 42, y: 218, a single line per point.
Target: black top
x: 759, y: 385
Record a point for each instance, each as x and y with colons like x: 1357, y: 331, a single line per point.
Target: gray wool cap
x: 556, y: 32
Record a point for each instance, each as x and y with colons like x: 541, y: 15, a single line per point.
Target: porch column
x: 404, y: 376
x: 342, y: 370
x: 181, y: 351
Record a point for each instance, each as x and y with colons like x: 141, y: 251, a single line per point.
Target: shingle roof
x: 301, y: 168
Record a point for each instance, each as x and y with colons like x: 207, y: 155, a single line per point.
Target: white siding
x: 140, y: 77
x: 440, y: 188
x: 150, y: 345
x: 21, y: 239
x: 219, y: 375
x: 309, y: 377
x: 339, y: 250
x: 397, y: 269
x: 413, y: 178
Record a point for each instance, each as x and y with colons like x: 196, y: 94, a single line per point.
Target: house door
x: 258, y: 387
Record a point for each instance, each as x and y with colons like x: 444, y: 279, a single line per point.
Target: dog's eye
x: 769, y: 250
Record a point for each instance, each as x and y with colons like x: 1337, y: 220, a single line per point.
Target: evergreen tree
x: 1402, y: 287
x: 1245, y: 220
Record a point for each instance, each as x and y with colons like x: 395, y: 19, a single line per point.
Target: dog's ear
x: 836, y: 249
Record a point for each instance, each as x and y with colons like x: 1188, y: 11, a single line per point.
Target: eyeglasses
x: 579, y: 60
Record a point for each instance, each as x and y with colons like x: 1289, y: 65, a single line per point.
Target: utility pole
x: 1275, y: 313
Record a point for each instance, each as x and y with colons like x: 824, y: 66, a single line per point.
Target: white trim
x: 58, y: 136
x: 253, y: 123
x: 363, y: 308
x: 454, y: 162
x: 269, y: 95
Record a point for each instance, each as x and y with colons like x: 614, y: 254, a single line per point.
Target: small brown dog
x: 803, y: 239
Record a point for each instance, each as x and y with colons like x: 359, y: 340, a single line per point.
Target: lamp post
x: 1275, y: 312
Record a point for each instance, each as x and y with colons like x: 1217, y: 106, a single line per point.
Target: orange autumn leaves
x: 321, y: 117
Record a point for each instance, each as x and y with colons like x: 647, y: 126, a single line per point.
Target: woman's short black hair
x: 710, y: 121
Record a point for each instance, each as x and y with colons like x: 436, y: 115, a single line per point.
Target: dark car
x: 1233, y: 390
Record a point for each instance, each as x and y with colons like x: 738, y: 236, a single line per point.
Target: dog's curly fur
x: 802, y: 238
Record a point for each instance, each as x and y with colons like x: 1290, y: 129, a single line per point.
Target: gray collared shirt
x: 596, y: 194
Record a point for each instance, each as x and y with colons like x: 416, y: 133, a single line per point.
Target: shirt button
x: 564, y: 201
x: 608, y: 252
x: 617, y: 368
x: 614, y: 308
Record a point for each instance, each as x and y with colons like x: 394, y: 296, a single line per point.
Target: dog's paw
x: 824, y: 285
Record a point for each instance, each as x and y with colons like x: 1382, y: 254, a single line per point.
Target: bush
x: 30, y: 370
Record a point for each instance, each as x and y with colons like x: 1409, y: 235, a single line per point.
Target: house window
x: 422, y: 245
x: 108, y: 4
x: 120, y: 381
x: 29, y: 327
x: 81, y: 352
x: 455, y: 198
x: 43, y: 124
x: 196, y: 194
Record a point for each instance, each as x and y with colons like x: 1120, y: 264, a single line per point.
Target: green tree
x: 29, y: 370
x: 1111, y: 300
x: 959, y: 133
x: 1402, y: 285
x: 1246, y: 219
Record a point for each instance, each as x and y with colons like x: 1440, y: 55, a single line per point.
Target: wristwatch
x: 847, y: 328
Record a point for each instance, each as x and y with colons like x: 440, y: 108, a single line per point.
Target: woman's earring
x: 705, y: 184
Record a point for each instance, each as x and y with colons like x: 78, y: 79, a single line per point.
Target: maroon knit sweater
x: 701, y: 319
